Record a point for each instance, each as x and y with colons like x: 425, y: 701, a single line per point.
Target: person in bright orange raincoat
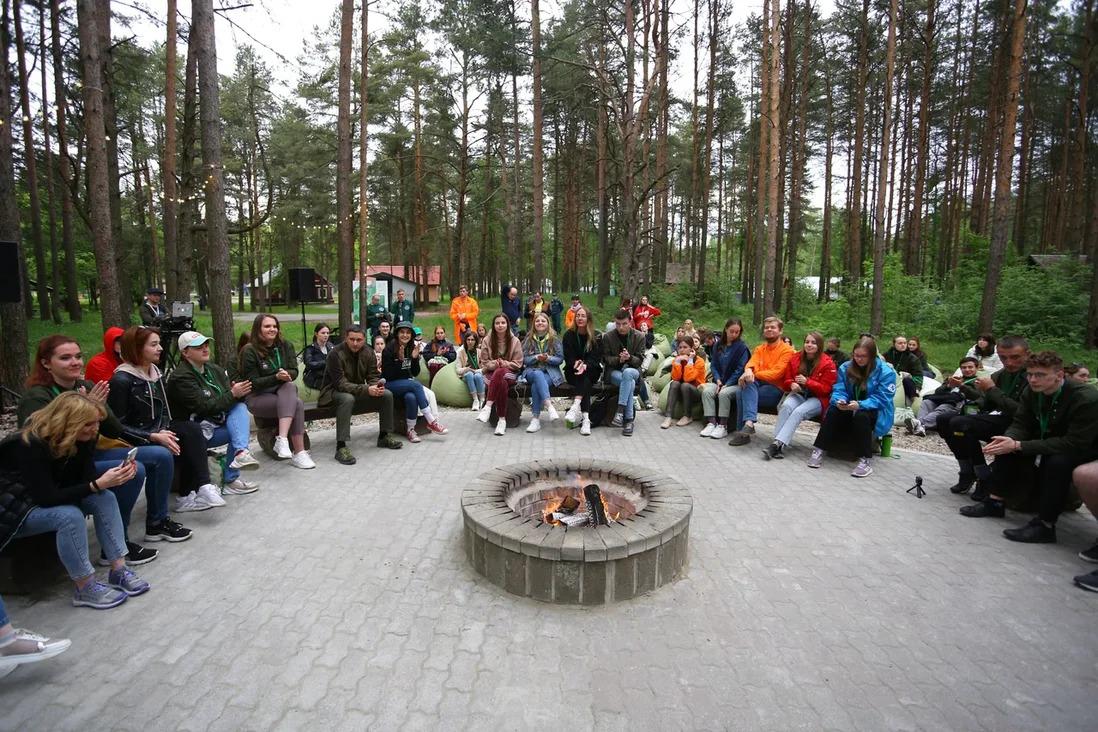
x: 463, y: 311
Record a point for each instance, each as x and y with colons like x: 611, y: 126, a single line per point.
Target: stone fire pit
x: 508, y: 539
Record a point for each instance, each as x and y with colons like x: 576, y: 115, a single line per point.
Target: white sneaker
x: 244, y: 460
x: 585, y: 428
x: 282, y: 448
x: 708, y: 431
x: 501, y: 427
x: 239, y: 487
x: 485, y: 413
x: 189, y: 502
x: 475, y: 407
x: 572, y: 416
x: 303, y: 460
x: 719, y: 432
x: 553, y: 414
x: 209, y: 495
x: 535, y: 425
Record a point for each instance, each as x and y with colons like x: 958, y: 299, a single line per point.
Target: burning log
x: 595, y: 508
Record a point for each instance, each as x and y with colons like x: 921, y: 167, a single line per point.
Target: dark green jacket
x: 37, y: 397
x: 193, y: 395
x: 1004, y: 396
x: 905, y: 361
x: 261, y: 370
x: 1072, y: 427
x: 349, y: 372
x: 612, y: 344
x: 373, y: 315
x: 403, y: 311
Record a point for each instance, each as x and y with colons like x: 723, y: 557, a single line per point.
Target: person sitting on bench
x: 315, y: 356
x: 501, y: 359
x: 1085, y: 478
x: 958, y: 394
x: 269, y: 362
x: 760, y: 384
x: 1054, y: 430
x: 622, y: 354
x: 582, y: 367
x: 352, y: 380
x: 200, y: 390
x: 862, y: 407
x: 542, y: 355
x: 469, y: 370
x: 730, y: 356
x: 687, y: 377
x: 400, y: 367
x: 808, y: 379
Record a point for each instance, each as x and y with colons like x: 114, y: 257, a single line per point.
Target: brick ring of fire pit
x: 508, y: 539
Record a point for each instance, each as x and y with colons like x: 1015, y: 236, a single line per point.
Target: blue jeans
x: 626, y: 381
x: 795, y: 409
x: 474, y: 380
x: 751, y: 396
x: 539, y: 389
x: 155, y: 466
x: 411, y: 391
x: 4, y: 619
x: 72, y: 531
x: 234, y: 433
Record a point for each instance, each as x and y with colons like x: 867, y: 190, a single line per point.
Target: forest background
x: 910, y: 154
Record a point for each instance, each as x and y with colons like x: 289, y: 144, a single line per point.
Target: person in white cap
x: 200, y: 390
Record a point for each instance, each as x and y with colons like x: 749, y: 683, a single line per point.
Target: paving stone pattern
x: 342, y: 599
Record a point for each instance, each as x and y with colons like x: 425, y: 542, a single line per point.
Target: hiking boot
x: 1088, y: 581
x: 97, y: 595
x: 239, y: 487
x: 1090, y: 555
x: 816, y: 459
x: 244, y: 460
x: 740, y: 438
x: 986, y: 508
x: 863, y: 469
x: 388, y: 441
x: 166, y: 530
x: 125, y: 580
x: 344, y: 456
x: 1035, y: 532
x: 627, y: 429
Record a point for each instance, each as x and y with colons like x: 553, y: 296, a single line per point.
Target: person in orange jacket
x: 570, y: 314
x: 463, y: 311
x: 687, y: 377
x: 762, y: 379
x: 101, y: 366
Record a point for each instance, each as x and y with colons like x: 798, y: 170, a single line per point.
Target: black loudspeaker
x: 11, y: 289
x: 303, y: 284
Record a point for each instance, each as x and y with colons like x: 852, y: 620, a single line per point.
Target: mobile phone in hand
x: 131, y: 457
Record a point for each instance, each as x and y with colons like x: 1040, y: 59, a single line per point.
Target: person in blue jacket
x: 862, y: 407
x: 542, y: 355
x: 556, y: 311
x: 730, y: 356
x: 511, y: 305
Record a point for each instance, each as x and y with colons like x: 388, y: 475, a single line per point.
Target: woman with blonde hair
x: 49, y: 482
x: 542, y: 355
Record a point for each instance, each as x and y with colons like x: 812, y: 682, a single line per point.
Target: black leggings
x: 583, y: 383
x: 853, y: 429
x: 192, y: 468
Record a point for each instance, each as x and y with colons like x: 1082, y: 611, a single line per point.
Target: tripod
x: 918, y: 487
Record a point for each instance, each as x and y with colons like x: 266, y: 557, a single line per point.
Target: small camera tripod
x: 918, y: 487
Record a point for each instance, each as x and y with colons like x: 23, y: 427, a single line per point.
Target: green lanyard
x: 473, y: 359
x: 211, y: 382
x: 859, y: 393
x: 541, y: 341
x: 1044, y: 418
x: 276, y: 357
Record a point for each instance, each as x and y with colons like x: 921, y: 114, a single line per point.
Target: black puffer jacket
x: 140, y: 404
x: 15, y: 500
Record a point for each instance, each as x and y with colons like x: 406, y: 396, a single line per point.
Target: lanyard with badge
x: 212, y: 382
x: 276, y: 357
x: 1044, y: 418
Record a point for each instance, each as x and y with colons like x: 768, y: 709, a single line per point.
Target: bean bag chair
x: 661, y: 343
x: 662, y: 377
x: 696, y: 409
x: 424, y: 375
x: 307, y: 393
x: 450, y: 389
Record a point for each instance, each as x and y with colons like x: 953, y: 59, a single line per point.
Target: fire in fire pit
x: 577, y: 502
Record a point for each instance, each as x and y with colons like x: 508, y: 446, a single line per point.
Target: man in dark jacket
x: 352, y: 380
x: 151, y: 311
x: 622, y: 353
x: 375, y: 313
x: 511, y: 305
x: 1054, y: 429
x: 200, y: 391
x: 402, y: 309
x: 964, y: 433
x: 556, y: 311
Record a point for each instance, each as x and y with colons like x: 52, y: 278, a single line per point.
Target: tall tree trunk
x: 710, y: 101
x: 765, y: 125
x: 363, y: 162
x: 772, y: 215
x: 800, y: 159
x: 168, y: 163
x: 47, y: 149
x: 344, y: 225
x: 217, y: 238
x: 880, y: 233
x: 824, y: 294
x: 72, y: 288
x: 663, y: 188
x: 13, y: 357
x: 854, y: 210
x: 1000, y: 224
x: 914, y: 242
x: 536, y: 172
x: 123, y: 292
x: 603, y: 194
x: 188, y: 211
x: 1077, y: 234
x: 99, y: 206
x: 31, y: 162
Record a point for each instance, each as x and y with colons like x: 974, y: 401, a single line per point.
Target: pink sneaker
x: 413, y: 437
x: 437, y: 428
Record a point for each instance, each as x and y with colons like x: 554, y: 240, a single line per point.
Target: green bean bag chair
x: 449, y: 388
x: 696, y: 409
x: 661, y: 343
x: 424, y: 375
x: 662, y: 377
x: 306, y: 393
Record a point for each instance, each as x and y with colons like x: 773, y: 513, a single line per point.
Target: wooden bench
x: 266, y: 428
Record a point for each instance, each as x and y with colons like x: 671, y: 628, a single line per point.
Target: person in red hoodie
x: 101, y: 366
x: 645, y: 314
x: 808, y: 378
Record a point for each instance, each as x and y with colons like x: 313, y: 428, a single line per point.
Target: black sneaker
x: 989, y: 507
x: 773, y: 451
x: 138, y: 554
x: 387, y: 440
x: 979, y: 493
x: 1090, y: 555
x: 1088, y: 581
x: 344, y: 456
x: 740, y: 437
x: 167, y: 530
x: 963, y: 484
x: 1035, y: 532
x: 627, y: 429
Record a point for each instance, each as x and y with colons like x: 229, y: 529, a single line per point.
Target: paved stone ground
x: 341, y: 599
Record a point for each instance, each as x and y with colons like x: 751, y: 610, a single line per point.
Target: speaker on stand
x: 303, y: 289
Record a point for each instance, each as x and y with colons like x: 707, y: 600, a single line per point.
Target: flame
x: 553, y: 504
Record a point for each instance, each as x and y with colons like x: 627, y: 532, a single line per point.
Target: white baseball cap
x: 191, y: 339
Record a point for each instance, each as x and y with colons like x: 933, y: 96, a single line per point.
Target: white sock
x: 427, y: 414
x: 410, y: 423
